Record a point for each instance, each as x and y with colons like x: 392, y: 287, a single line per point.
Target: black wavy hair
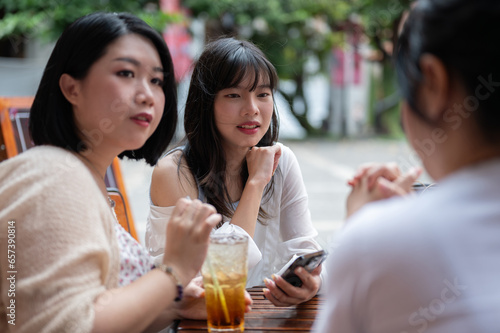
x: 224, y: 63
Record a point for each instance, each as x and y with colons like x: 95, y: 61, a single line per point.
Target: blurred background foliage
x: 380, y: 21
x: 47, y: 19
x: 292, y: 33
x: 296, y: 32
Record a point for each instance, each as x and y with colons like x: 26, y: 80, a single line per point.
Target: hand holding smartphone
x: 309, y: 261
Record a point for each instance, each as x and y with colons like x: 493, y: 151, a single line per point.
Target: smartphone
x: 309, y: 261
x: 420, y: 188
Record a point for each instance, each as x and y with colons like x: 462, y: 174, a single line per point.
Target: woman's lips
x: 142, y: 119
x: 249, y: 128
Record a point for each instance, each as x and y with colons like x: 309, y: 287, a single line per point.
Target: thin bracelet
x: 170, y: 272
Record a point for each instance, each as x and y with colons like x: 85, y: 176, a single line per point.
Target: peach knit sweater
x: 65, y: 247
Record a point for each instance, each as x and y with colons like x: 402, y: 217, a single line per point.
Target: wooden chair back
x: 14, y: 116
x: 121, y: 210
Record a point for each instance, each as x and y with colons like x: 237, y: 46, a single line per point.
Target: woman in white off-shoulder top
x: 232, y: 161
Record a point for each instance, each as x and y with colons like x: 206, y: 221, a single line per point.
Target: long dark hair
x: 463, y: 35
x: 224, y: 63
x: 78, y: 48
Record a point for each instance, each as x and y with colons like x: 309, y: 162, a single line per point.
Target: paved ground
x: 326, y: 166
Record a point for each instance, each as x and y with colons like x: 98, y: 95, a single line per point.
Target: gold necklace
x: 94, y: 170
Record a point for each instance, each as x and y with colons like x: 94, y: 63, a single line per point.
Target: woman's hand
x: 372, y: 171
x: 193, y: 304
x: 188, y: 234
x: 262, y: 163
x: 248, y: 302
x: 377, y: 181
x: 282, y: 293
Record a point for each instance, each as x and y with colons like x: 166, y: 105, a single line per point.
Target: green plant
x: 46, y: 19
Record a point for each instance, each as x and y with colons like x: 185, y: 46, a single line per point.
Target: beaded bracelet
x: 170, y: 272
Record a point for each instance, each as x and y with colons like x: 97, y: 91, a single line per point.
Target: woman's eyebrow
x: 137, y: 63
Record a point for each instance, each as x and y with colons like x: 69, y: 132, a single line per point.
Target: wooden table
x: 265, y: 317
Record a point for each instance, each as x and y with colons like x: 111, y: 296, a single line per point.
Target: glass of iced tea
x: 224, y: 277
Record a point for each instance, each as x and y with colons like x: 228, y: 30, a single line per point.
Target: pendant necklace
x: 111, y: 202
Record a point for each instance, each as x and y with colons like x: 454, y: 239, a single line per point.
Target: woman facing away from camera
x: 108, y: 89
x: 232, y: 161
x: 429, y: 263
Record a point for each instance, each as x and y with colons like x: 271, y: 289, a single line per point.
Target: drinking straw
x: 219, y: 290
x: 216, y: 285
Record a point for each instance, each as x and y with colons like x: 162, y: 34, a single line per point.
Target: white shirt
x: 428, y: 263
x: 289, y: 231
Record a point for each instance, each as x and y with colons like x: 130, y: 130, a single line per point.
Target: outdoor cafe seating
x: 264, y: 317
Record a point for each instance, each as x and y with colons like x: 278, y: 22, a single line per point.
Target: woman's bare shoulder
x: 172, y: 180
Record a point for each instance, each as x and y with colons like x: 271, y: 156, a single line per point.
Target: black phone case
x: 308, y: 261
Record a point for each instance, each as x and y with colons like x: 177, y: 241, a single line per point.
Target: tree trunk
x: 301, y: 118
